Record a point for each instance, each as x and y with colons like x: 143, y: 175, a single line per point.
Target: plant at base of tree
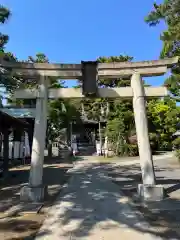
x: 176, y: 143
x: 177, y: 154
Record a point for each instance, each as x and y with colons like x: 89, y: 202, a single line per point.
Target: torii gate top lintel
x: 73, y: 71
x: 105, y: 70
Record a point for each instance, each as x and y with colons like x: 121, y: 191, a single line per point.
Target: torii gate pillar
x: 148, y: 190
x: 35, y: 191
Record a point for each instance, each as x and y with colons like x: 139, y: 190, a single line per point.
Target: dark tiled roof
x: 10, y: 121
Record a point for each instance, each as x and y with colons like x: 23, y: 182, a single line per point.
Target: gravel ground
x: 24, y: 226
x: 163, y: 217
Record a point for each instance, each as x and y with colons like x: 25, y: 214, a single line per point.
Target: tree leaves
x: 169, y: 12
x: 163, y: 118
x: 4, y: 15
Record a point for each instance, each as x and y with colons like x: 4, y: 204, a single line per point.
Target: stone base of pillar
x: 151, y: 192
x: 33, y: 194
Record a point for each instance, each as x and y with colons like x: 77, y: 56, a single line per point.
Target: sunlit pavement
x: 90, y: 206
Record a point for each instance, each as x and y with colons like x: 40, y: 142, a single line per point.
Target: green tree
x: 8, y: 82
x: 121, y: 127
x: 61, y: 114
x: 169, y: 12
x: 166, y: 118
x: 4, y: 16
x: 163, y: 117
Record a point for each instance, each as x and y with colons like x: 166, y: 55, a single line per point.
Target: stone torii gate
x: 135, y: 70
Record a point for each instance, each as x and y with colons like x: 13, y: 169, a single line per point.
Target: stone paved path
x: 91, y: 207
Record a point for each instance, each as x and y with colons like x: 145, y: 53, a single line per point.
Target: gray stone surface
x: 151, y: 192
x: 33, y: 194
x: 90, y: 206
x: 22, y: 208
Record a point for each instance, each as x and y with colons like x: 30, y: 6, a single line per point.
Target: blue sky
x: 70, y: 31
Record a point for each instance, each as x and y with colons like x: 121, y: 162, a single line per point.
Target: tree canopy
x: 169, y: 12
x: 4, y: 16
x: 8, y: 81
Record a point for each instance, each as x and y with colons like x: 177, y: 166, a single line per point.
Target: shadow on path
x: 14, y: 226
x: 92, y: 204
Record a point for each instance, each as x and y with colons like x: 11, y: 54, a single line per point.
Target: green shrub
x: 176, y: 143
x: 132, y: 150
x: 177, y: 154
